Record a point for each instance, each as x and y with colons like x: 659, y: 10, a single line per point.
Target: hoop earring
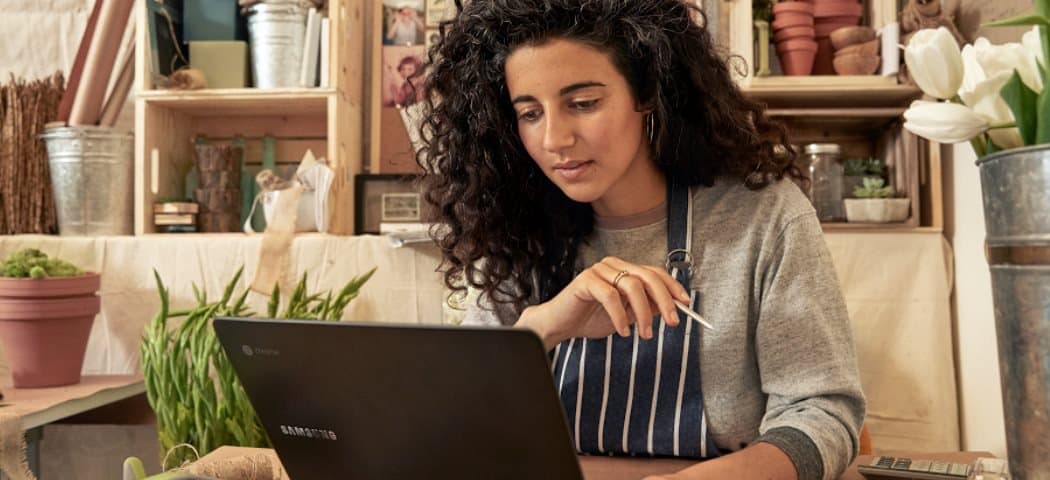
x: 650, y: 126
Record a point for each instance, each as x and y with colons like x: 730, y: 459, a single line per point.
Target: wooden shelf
x: 242, y: 101
x: 817, y: 92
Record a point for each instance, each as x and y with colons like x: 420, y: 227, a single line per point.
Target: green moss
x: 32, y: 263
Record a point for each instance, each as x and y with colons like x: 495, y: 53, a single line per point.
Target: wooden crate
x: 327, y: 120
x: 913, y: 163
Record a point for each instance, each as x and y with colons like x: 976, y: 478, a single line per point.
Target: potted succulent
x: 875, y: 203
x: 995, y: 97
x: 47, y: 307
x: 855, y: 170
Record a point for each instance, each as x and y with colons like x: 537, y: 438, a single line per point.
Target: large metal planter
x: 1016, y: 190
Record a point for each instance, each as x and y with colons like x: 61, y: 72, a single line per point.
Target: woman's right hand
x: 607, y: 298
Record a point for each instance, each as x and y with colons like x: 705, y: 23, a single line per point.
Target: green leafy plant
x: 863, y: 167
x: 32, y: 263
x: 873, y: 188
x: 190, y: 383
x: 761, y: 9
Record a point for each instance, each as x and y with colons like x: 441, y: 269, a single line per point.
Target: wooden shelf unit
x: 326, y: 119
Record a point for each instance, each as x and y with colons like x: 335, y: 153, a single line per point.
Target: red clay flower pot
x: 796, y: 56
x: 792, y: 19
x: 44, y: 327
x: 838, y: 9
x: 793, y: 32
x: 824, y: 29
x: 823, y: 62
x: 796, y: 7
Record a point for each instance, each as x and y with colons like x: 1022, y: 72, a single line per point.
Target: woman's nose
x: 558, y: 134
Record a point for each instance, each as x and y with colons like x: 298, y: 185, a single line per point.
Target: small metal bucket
x: 1015, y: 185
x: 92, y: 175
x: 277, y: 29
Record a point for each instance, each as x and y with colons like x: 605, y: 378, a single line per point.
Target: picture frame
x: 386, y: 198
x: 439, y: 11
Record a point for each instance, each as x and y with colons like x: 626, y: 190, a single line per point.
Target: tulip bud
x: 934, y: 62
x: 943, y: 122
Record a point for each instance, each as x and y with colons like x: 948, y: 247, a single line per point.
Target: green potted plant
x: 47, y: 307
x: 995, y: 97
x: 855, y: 170
x: 875, y: 203
x: 190, y: 384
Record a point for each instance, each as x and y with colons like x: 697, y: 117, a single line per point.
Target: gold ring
x: 619, y: 276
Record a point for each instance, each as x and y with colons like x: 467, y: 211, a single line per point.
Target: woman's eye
x: 584, y: 104
x: 529, y: 116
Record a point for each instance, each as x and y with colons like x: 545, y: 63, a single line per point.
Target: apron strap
x: 679, y: 232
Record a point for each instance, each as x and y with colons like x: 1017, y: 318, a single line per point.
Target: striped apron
x: 631, y: 396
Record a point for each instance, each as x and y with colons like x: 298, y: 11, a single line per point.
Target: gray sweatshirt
x: 780, y: 365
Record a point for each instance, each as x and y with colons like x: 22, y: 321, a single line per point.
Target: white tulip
x: 1007, y: 58
x: 1033, y: 44
x: 981, y: 90
x: 934, y: 61
x: 943, y: 122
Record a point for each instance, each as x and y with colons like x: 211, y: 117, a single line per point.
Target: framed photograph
x: 403, y: 22
x: 385, y: 198
x: 439, y: 11
x: 400, y: 207
x: 432, y: 37
x: 402, y: 83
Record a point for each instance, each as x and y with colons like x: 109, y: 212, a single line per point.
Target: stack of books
x: 175, y: 217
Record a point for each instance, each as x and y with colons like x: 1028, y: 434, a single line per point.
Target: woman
x: 598, y: 164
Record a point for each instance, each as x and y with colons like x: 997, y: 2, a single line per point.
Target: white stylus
x: 695, y: 316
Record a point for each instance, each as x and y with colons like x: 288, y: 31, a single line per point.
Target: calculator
x: 903, y: 467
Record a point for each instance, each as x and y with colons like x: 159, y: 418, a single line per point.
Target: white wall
x: 977, y: 362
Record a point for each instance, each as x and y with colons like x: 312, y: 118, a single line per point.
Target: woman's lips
x: 573, y: 170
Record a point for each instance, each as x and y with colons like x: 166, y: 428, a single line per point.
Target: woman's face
x: 579, y: 120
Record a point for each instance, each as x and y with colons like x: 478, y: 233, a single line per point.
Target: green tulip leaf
x: 1021, y: 20
x: 1022, y: 102
x: 1042, y: 8
x: 1042, y: 134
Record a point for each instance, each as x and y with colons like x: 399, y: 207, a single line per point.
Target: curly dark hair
x: 510, y: 230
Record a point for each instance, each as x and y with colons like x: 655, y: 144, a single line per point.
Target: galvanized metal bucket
x: 277, y: 29
x: 92, y: 175
x: 1016, y: 190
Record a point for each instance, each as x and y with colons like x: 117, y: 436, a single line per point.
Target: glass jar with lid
x: 825, y: 173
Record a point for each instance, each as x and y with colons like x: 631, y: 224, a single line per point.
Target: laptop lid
x: 379, y: 401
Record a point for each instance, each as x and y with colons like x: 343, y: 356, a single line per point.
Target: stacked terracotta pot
x: 828, y: 16
x: 793, y: 34
x: 856, y: 50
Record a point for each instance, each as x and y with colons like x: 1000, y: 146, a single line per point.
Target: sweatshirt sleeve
x: 483, y: 312
x: 806, y: 356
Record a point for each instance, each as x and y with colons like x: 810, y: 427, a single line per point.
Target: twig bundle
x: 26, y: 201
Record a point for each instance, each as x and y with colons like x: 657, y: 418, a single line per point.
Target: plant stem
x: 1002, y: 125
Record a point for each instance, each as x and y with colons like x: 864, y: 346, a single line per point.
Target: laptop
x: 379, y: 401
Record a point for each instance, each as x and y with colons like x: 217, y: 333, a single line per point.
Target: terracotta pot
x: 796, y: 7
x: 796, y: 56
x: 792, y: 19
x: 825, y: 29
x: 793, y: 32
x: 846, y: 36
x: 822, y: 62
x: 856, y: 64
x: 873, y: 47
x: 44, y: 327
x: 837, y: 9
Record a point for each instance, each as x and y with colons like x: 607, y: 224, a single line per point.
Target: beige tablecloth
x: 897, y: 288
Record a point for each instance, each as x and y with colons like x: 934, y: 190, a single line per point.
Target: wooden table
x: 41, y: 406
x: 620, y: 468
